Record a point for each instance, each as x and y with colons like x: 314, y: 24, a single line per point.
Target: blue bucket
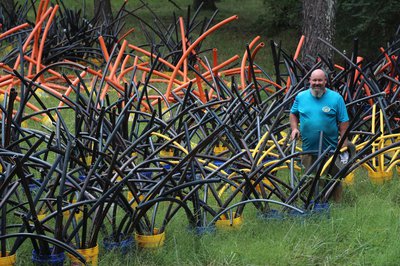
x: 271, y: 215
x: 147, y: 174
x: 52, y: 259
x: 203, y: 230
x: 124, y: 246
x: 322, y: 209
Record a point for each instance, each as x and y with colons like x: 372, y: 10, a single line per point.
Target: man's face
x: 317, y: 83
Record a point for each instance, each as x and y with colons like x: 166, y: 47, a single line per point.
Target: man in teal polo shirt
x: 318, y: 109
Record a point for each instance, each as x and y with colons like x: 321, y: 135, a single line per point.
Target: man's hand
x: 295, y: 134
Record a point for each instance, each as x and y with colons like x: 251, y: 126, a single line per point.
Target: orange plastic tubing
x: 207, y: 74
x: 114, y: 68
x: 125, y: 34
x: 296, y: 55
x: 42, y: 7
x: 74, y: 83
x: 258, y: 47
x: 215, y: 72
x: 183, y: 39
x: 215, y: 59
x: 44, y: 36
x: 35, y: 29
x: 253, y: 55
x: 243, y: 64
x: 147, y: 70
x: 17, y: 28
x: 191, y: 47
x: 202, y: 95
x: 104, y: 48
x: 168, y: 64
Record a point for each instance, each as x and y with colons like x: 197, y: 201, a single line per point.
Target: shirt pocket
x: 329, y: 111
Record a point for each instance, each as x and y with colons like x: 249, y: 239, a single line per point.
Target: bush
x: 279, y: 15
x: 374, y: 23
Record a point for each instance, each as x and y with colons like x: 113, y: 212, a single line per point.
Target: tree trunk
x: 103, y: 11
x: 318, y: 22
x: 207, y: 4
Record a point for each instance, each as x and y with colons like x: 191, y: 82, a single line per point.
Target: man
x: 319, y: 109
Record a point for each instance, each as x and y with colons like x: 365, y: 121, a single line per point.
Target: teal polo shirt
x: 319, y: 114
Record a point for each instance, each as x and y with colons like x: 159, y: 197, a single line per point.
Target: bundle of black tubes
x: 109, y: 168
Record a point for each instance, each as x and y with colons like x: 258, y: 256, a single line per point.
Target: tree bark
x: 318, y: 22
x: 103, y: 11
x: 207, y: 4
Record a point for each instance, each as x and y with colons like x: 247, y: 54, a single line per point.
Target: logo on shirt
x: 326, y: 109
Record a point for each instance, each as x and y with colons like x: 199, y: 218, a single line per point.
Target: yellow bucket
x: 349, y: 179
x: 91, y: 256
x: 150, y: 241
x: 219, y: 149
x: 41, y: 215
x: 265, y: 182
x: 380, y: 176
x: 166, y: 153
x: 224, y: 223
x: 8, y: 260
x: 78, y: 215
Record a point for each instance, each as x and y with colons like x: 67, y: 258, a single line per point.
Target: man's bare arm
x: 294, y: 125
x: 342, y: 129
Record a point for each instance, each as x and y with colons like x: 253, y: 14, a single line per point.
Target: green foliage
x: 372, y: 22
x: 279, y: 16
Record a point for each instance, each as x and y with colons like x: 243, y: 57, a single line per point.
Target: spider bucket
x: 48, y: 259
x: 225, y: 222
x: 8, y: 260
x: 91, y: 256
x: 150, y: 241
